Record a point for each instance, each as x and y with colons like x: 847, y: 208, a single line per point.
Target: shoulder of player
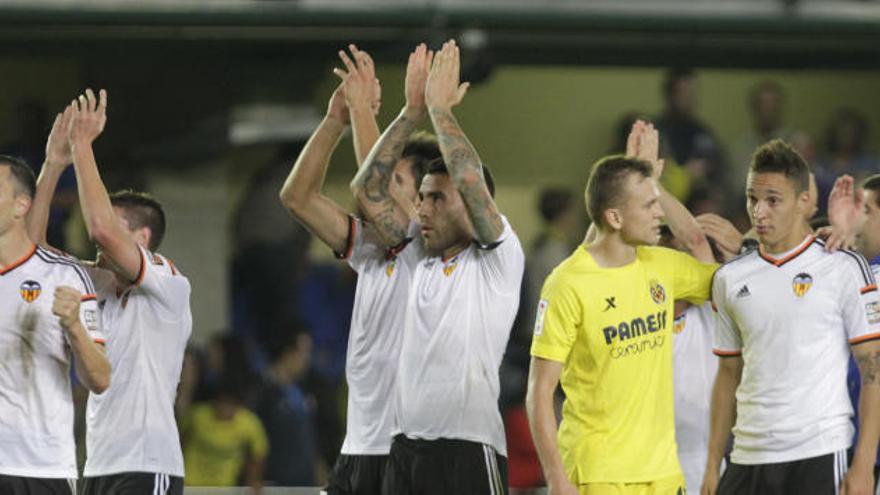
x: 67, y: 265
x: 855, y: 261
x: 163, y: 263
x: 737, y: 262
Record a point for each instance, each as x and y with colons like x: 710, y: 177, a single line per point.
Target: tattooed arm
x: 444, y: 91
x: 867, y: 355
x: 371, y: 184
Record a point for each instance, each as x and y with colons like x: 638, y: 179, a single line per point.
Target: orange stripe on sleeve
x: 88, y: 297
x: 99, y: 341
x: 719, y: 352
x: 868, y: 288
x: 865, y: 338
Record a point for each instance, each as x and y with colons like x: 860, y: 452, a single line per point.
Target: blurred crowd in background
x: 263, y: 403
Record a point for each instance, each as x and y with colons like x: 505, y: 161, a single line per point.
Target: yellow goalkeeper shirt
x: 612, y: 330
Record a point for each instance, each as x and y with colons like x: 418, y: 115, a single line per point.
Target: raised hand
x: 88, y: 117
x: 846, y: 210
x: 58, y: 154
x: 444, y: 88
x: 362, y: 89
x: 66, y: 306
x: 417, y: 69
x: 728, y: 239
x: 643, y: 143
x: 337, y: 108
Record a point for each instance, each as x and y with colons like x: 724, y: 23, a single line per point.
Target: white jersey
x: 792, y: 318
x: 458, y: 321
x: 131, y: 426
x: 36, y: 405
x: 694, y: 368
x: 374, y: 340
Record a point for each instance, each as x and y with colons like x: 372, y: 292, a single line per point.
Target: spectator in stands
x: 287, y: 413
x: 691, y: 142
x: 224, y: 443
x: 845, y: 152
x: 766, y: 103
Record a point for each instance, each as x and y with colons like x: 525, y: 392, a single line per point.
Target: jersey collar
x: 790, y: 256
x: 17, y: 263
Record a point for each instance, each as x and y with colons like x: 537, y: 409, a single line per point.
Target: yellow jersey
x: 215, y: 451
x: 612, y: 330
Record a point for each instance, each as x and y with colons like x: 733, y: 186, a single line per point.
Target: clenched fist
x: 66, y: 306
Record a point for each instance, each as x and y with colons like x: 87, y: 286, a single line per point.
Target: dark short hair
x: 605, y: 185
x: 438, y: 167
x: 673, y: 76
x: 872, y: 183
x: 22, y: 173
x: 777, y: 156
x: 142, y: 210
x: 420, y: 149
x: 553, y: 202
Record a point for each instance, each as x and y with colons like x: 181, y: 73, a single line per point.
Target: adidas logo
x: 744, y: 292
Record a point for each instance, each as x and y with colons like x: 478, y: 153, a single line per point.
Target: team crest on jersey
x: 658, y: 293
x: 157, y: 260
x: 801, y: 284
x: 30, y: 290
x: 450, y: 267
x: 389, y: 270
x: 678, y: 324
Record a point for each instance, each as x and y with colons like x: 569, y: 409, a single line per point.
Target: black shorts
x: 18, y: 485
x: 441, y: 467
x: 357, y: 475
x: 133, y: 484
x: 814, y: 476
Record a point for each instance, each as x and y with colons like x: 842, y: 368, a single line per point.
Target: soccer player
x: 856, y: 213
x: 383, y: 283
x: 48, y: 319
x: 466, y: 269
x: 787, y: 316
x: 604, y: 325
x: 132, y: 441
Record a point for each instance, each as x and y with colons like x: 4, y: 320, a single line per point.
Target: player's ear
x: 613, y: 218
x: 22, y: 205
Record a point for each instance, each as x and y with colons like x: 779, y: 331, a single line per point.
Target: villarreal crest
x: 30, y: 290
x: 801, y: 284
x: 658, y: 293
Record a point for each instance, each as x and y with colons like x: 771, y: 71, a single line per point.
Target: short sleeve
x: 364, y: 244
x: 557, y: 321
x: 503, y: 261
x: 258, y: 442
x: 860, y: 301
x: 692, y: 280
x: 159, y: 277
x: 728, y: 339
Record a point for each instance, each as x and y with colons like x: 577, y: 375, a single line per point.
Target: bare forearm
x: 94, y: 200
x: 92, y: 366
x: 307, y: 176
x: 723, y: 416
x: 869, y: 407
x: 38, y: 216
x: 685, y: 227
x: 466, y: 171
x: 371, y: 183
x: 365, y: 132
x: 542, y: 421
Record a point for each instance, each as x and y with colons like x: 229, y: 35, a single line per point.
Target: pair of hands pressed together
x: 432, y: 81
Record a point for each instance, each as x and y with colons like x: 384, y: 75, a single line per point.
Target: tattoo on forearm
x: 466, y: 170
x: 375, y: 176
x: 869, y: 367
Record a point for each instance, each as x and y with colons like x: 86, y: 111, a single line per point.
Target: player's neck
x: 14, y: 245
x: 450, y: 252
x: 791, y: 241
x: 610, y: 251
